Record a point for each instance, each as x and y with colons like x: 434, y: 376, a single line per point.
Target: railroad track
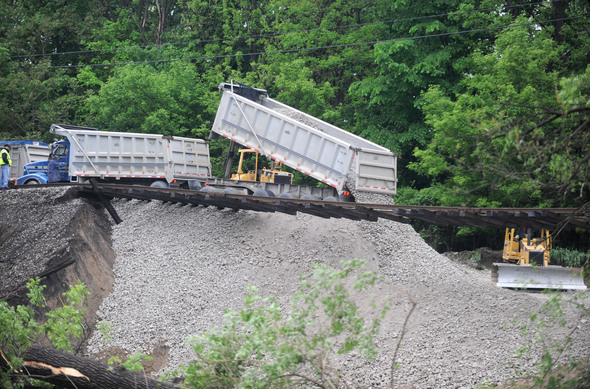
x: 549, y: 218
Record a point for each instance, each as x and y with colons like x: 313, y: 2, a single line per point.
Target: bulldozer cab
x: 273, y: 175
x: 522, y: 247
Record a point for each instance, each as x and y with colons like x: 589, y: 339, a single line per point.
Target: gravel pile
x: 180, y: 267
x: 24, y: 255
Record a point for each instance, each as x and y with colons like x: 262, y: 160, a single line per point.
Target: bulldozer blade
x: 507, y: 275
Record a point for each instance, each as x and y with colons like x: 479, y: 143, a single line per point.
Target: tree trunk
x: 69, y: 371
x: 161, y: 5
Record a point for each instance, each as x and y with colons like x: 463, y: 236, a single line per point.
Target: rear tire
x: 264, y: 193
x: 159, y: 184
x: 32, y: 182
x: 287, y: 195
x: 229, y: 191
x: 309, y: 197
x: 210, y: 189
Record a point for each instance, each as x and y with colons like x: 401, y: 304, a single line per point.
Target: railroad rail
x: 548, y: 218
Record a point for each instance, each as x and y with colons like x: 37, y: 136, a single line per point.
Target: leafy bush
x: 20, y: 328
x: 568, y: 257
x: 260, y: 347
x: 539, y: 331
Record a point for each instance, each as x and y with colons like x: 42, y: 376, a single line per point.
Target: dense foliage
x: 63, y: 327
x: 487, y: 102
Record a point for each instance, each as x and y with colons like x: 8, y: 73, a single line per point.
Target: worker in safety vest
x: 5, y: 163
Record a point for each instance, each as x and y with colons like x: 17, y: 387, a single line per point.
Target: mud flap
x: 506, y: 275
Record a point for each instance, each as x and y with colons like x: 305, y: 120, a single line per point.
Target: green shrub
x: 19, y: 328
x: 262, y: 347
x: 568, y: 257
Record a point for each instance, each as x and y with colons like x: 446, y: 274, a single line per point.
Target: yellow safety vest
x: 4, y: 151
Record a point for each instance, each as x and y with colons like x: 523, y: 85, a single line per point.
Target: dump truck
x: 122, y: 157
x: 23, y: 152
x: 347, y: 164
x: 526, y: 263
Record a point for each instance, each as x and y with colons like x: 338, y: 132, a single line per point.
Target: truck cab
x: 36, y: 172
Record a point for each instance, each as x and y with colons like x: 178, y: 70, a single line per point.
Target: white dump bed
x: 133, y: 155
x: 307, y: 144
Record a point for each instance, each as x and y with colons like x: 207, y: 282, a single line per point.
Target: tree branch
x: 69, y: 371
x: 401, y: 336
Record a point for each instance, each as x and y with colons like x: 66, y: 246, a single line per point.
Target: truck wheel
x: 287, y: 195
x: 195, y: 185
x: 331, y: 198
x: 309, y: 197
x: 210, y: 189
x: 263, y: 193
x: 159, y: 184
x: 32, y: 182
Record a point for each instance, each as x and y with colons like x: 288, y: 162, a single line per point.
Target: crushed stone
x: 179, y: 267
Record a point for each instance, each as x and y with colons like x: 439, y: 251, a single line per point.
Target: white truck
x: 339, y: 159
x: 23, y: 152
x: 347, y: 164
x: 147, y: 159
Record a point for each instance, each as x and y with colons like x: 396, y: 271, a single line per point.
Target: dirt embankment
x: 60, y: 238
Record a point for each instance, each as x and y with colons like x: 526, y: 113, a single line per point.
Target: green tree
x: 260, y: 347
x: 33, y: 98
x: 141, y: 98
x: 492, y: 142
x: 422, y: 48
x: 40, y: 40
x: 21, y: 327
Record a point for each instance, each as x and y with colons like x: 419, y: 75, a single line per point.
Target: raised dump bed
x: 307, y: 144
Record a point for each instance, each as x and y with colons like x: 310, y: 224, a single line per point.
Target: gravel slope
x: 179, y: 267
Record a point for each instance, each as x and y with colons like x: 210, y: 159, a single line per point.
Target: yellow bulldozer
x: 526, y: 263
x: 273, y: 175
x: 523, y: 248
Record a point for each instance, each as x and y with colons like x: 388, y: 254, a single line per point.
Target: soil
x: 480, y: 259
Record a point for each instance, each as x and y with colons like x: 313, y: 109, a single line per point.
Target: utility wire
x: 257, y: 36
x: 301, y: 49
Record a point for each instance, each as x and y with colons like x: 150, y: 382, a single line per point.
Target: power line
x: 302, y: 49
x: 257, y: 36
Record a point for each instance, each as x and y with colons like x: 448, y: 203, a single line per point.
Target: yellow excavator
x: 273, y: 175
x: 526, y: 263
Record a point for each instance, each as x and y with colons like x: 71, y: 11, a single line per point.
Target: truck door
x: 61, y: 151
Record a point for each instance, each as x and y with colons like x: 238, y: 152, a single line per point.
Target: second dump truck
x: 122, y: 157
x: 23, y: 152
